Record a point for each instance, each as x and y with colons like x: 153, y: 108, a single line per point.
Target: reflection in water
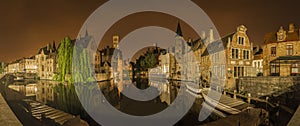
x: 164, y: 89
x: 64, y: 97
x: 45, y: 92
x: 28, y: 90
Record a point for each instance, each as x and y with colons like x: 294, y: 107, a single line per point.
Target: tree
x: 151, y: 60
x: 83, y: 63
x: 146, y: 61
x: 65, y: 57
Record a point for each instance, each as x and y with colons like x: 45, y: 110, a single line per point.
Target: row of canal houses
x: 44, y: 64
x: 220, y: 62
x: 217, y: 62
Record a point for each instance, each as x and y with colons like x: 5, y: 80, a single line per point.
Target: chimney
x: 211, y: 35
x: 190, y: 40
x: 291, y: 27
x: 203, y: 35
x: 48, y: 47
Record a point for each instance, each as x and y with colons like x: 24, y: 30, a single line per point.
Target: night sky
x: 27, y: 25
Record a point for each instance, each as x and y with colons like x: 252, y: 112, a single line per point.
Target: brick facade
x: 227, y: 59
x: 283, y: 44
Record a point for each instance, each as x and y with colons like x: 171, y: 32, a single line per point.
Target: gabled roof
x: 225, y: 38
x: 290, y: 36
x: 270, y: 37
x: 195, y: 45
x: 45, y: 49
x: 48, y: 49
x: 108, y: 63
x: 293, y: 36
x: 218, y: 45
x: 107, y: 51
x: 257, y: 50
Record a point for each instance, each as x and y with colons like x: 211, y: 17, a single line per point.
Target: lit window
x: 246, y: 54
x: 241, y: 40
x: 275, y: 69
x: 289, y: 50
x: 238, y: 71
x: 273, y: 51
x: 295, y: 68
x: 235, y: 53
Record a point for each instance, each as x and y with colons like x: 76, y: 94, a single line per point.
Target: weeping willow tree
x: 84, y: 81
x: 83, y: 73
x: 75, y: 66
x: 65, y: 57
x: 67, y: 99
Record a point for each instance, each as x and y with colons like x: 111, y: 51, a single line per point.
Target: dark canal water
x: 64, y: 97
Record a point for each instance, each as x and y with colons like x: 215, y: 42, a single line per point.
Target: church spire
x: 54, y: 46
x: 86, y: 33
x: 179, y: 31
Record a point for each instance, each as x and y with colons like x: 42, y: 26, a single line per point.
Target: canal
x: 64, y: 97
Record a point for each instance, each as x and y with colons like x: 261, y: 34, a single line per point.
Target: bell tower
x: 115, y: 41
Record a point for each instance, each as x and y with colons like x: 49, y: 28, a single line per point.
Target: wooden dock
x: 48, y: 114
x: 224, y: 103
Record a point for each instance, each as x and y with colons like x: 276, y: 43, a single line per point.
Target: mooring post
x: 234, y: 94
x: 249, y: 98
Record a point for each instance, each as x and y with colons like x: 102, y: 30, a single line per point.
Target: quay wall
x: 266, y: 86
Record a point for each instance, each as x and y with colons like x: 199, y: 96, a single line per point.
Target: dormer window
x: 241, y: 40
x: 281, y: 34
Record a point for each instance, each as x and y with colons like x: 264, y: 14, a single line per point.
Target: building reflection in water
x: 28, y: 90
x: 45, y: 91
x: 164, y: 89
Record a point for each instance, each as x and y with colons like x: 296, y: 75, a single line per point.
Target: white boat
x: 193, y: 94
x: 194, y: 90
x: 220, y: 106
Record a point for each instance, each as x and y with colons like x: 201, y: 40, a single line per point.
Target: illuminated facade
x: 282, y: 52
x: 229, y: 58
x: 46, y: 62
